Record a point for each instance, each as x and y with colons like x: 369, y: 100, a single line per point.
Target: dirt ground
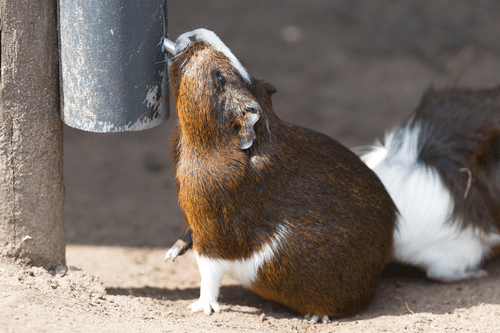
x: 347, y: 68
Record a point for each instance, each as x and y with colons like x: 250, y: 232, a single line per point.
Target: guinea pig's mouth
x: 210, y: 38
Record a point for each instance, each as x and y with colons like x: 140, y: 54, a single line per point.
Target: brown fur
x: 340, y: 217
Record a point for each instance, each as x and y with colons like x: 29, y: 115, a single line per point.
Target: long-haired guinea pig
x: 290, y: 213
x: 442, y: 169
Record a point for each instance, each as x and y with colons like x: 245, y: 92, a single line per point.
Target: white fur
x: 244, y: 270
x: 210, y: 37
x: 425, y: 236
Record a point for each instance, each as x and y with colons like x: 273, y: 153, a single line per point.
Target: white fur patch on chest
x: 245, y: 270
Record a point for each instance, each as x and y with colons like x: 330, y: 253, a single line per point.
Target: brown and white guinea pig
x: 289, y: 212
x: 442, y: 169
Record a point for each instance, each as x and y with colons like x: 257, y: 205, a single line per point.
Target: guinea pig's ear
x: 270, y: 89
x: 247, y: 133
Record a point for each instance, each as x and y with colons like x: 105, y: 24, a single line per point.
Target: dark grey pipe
x: 113, y: 66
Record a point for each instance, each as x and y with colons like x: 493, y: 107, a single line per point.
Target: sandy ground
x: 350, y: 69
x: 136, y: 292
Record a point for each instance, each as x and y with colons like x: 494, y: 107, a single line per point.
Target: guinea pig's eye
x: 221, y: 80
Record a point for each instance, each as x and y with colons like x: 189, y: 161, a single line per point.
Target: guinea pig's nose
x: 192, y: 38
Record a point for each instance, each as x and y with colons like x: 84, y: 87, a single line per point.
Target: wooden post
x: 31, y: 145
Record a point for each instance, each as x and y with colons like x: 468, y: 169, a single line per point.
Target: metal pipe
x: 113, y: 66
x: 168, y: 46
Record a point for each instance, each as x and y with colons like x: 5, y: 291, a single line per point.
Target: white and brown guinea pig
x: 442, y: 169
x: 289, y: 212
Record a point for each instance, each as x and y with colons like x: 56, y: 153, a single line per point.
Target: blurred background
x: 348, y: 68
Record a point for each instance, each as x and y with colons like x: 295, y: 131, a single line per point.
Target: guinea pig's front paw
x: 206, y: 305
x: 315, y: 319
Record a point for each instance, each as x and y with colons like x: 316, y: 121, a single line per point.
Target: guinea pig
x: 442, y: 169
x: 288, y: 212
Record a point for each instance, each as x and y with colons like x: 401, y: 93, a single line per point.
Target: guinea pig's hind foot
x: 315, y: 319
x: 449, y: 277
x: 184, y: 243
x: 179, y: 248
x: 205, y: 305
